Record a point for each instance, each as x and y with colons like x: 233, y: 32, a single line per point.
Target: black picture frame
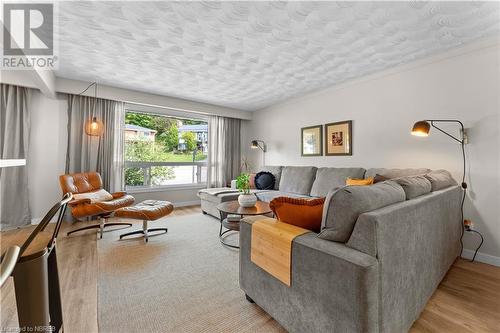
x: 320, y: 140
x: 348, y: 142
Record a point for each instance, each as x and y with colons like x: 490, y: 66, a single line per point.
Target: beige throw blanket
x: 271, y: 247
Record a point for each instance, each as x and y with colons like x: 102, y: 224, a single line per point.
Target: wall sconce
x: 259, y: 144
x: 422, y: 128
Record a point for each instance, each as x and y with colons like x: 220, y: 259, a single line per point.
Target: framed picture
x: 312, y: 141
x: 338, y: 138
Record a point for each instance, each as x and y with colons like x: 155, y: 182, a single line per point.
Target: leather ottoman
x: 147, y: 210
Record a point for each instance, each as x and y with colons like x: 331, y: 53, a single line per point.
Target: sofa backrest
x: 297, y: 179
x: 343, y: 207
x: 395, y: 173
x: 328, y: 179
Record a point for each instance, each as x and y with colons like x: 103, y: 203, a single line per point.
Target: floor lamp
x: 260, y: 145
x: 422, y: 128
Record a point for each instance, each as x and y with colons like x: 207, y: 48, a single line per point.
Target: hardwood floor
x: 467, y: 300
x: 77, y: 265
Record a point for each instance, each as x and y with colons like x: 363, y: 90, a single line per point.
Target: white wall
x: 384, y: 107
x: 47, y: 152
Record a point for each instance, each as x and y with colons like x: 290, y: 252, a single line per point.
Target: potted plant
x: 245, y: 199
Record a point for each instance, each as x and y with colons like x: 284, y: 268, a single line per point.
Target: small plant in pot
x: 245, y: 199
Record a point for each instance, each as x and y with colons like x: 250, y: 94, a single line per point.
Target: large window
x: 164, y: 150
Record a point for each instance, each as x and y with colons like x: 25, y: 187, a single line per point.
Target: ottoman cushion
x: 147, y: 210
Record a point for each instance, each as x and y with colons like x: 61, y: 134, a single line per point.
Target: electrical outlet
x: 468, y: 225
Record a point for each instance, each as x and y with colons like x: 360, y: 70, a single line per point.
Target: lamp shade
x: 421, y: 128
x: 94, y: 127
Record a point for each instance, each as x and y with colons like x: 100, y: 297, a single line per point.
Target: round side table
x: 234, y: 208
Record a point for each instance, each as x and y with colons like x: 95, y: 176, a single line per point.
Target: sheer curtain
x: 223, y: 151
x: 14, y: 140
x: 104, y: 153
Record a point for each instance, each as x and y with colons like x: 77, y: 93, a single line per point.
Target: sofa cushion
x: 297, y: 180
x: 218, y: 195
x: 94, y: 196
x: 328, y: 179
x: 276, y: 171
x: 343, y: 206
x: 379, y: 178
x: 414, y: 186
x: 395, y: 173
x: 251, y: 179
x: 267, y: 196
x: 301, y: 212
x: 440, y: 179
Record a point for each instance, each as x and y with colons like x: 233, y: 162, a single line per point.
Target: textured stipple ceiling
x: 249, y: 55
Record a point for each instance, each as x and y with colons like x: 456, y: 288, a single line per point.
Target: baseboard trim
x: 482, y: 257
x: 186, y: 203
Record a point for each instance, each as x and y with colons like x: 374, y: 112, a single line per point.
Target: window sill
x: 166, y: 188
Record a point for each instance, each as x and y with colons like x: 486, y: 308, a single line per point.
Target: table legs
x: 222, y: 233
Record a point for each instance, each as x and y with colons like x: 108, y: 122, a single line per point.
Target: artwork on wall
x: 338, y: 138
x: 312, y: 141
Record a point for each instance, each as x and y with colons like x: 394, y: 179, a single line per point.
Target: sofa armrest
x: 333, y: 287
x: 408, y: 238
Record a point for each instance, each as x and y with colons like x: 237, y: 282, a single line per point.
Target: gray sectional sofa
x: 381, y: 254
x: 291, y: 181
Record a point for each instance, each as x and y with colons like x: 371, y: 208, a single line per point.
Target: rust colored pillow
x: 304, y: 213
x: 252, y: 180
x: 359, y: 182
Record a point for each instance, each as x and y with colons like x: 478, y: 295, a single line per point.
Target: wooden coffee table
x: 234, y: 208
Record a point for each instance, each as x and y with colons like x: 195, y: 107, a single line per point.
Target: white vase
x: 247, y: 200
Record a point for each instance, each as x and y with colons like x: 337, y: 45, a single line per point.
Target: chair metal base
x: 145, y: 231
x: 102, y: 224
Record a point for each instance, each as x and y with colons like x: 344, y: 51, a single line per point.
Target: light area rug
x: 182, y: 281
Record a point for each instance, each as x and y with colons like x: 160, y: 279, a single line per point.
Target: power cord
x: 468, y: 229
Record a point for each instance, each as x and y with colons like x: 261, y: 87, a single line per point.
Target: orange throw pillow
x: 359, y: 182
x: 304, y: 213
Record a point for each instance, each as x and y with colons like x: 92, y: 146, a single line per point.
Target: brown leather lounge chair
x: 90, y: 199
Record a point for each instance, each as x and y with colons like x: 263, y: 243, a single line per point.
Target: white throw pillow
x: 95, y: 196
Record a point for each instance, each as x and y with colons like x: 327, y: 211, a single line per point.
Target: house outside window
x: 163, y: 151
x: 135, y: 133
x: 201, y: 134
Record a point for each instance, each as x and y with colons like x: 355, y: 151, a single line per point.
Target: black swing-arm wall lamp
x: 422, y: 128
x: 259, y: 144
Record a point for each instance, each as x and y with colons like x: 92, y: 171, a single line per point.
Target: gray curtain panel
x: 104, y: 153
x: 14, y: 140
x: 223, y: 151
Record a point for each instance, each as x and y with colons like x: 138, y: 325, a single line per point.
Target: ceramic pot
x: 247, y: 200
